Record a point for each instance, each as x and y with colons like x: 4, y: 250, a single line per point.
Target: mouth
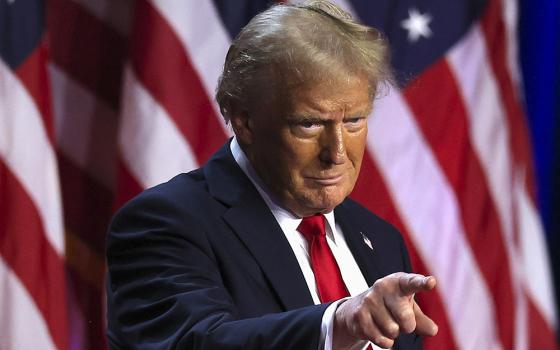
x: 327, y: 180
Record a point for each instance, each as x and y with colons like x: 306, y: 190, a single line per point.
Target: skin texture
x: 307, y: 146
x: 384, y: 311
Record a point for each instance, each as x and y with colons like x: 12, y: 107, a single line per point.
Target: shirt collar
x: 286, y: 219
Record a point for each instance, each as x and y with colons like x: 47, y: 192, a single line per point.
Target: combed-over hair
x: 288, y: 46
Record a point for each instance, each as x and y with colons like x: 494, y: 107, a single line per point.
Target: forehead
x: 343, y: 94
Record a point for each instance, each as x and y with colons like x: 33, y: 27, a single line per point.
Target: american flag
x: 100, y: 99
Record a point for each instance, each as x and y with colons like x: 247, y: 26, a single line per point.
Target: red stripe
x: 94, y: 58
x: 162, y: 65
x: 87, y: 49
x: 91, y: 53
x: 372, y: 192
x: 92, y: 304
x: 81, y: 197
x: 24, y: 247
x: 446, y: 129
x: 127, y: 186
x: 33, y: 75
x: 541, y: 336
x: 495, y: 39
x: 87, y: 204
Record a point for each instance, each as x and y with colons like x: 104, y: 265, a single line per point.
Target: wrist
x: 341, y: 335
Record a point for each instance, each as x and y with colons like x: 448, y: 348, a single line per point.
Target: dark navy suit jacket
x: 200, y: 262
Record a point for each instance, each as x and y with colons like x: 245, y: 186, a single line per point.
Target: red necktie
x: 327, y: 274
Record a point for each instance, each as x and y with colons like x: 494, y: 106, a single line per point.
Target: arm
x: 166, y: 289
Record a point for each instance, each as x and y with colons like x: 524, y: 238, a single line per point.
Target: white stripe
x: 428, y: 207
x: 21, y: 324
x: 521, y: 337
x: 532, y: 241
x: 151, y: 145
x: 488, y: 133
x: 27, y: 152
x: 116, y: 14
x: 488, y: 130
x: 206, y: 48
x: 534, y: 255
x: 85, y: 127
x: 490, y: 136
x: 510, y: 15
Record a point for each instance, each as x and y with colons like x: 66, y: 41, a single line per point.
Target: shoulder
x: 172, y: 207
x: 182, y: 193
x: 175, y: 190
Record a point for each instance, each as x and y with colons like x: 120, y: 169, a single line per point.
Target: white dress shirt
x: 349, y: 269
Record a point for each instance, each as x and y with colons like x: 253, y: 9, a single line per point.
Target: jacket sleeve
x: 165, y: 289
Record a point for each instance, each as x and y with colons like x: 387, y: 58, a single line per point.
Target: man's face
x: 308, y: 147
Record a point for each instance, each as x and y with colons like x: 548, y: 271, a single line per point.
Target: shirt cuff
x: 327, y: 324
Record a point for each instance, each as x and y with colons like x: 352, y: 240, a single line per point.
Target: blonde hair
x: 288, y: 46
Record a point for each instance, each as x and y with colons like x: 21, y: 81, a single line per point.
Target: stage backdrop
x: 100, y: 99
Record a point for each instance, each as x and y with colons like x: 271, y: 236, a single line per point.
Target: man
x: 260, y: 248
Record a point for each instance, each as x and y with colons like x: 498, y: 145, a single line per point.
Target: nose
x: 333, y: 148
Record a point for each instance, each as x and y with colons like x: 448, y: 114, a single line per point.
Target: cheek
x: 301, y: 157
x: 356, y: 147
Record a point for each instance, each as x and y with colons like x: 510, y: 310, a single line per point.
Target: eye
x: 306, y: 127
x: 355, y: 123
x: 308, y: 124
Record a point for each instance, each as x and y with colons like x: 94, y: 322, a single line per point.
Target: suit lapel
x: 257, y: 228
x: 251, y: 220
x: 368, y: 259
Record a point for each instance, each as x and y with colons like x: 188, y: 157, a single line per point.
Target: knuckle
x: 370, y: 301
x: 393, y: 330
x: 405, y: 314
x: 409, y: 327
x: 408, y: 324
x: 380, y: 285
x: 365, y: 300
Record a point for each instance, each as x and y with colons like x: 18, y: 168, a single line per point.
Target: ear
x: 242, y: 125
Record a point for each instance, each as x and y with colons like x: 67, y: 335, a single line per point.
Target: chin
x: 323, y: 200
x: 326, y: 204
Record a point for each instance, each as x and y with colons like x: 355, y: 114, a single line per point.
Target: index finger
x: 411, y: 283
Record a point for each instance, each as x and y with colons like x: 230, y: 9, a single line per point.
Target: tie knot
x: 312, y: 226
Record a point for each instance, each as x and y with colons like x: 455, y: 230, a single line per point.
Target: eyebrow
x: 306, y: 118
x: 310, y: 117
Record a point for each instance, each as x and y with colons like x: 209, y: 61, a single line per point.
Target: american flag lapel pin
x: 367, y: 241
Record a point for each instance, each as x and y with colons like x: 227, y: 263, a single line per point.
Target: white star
x: 417, y: 25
